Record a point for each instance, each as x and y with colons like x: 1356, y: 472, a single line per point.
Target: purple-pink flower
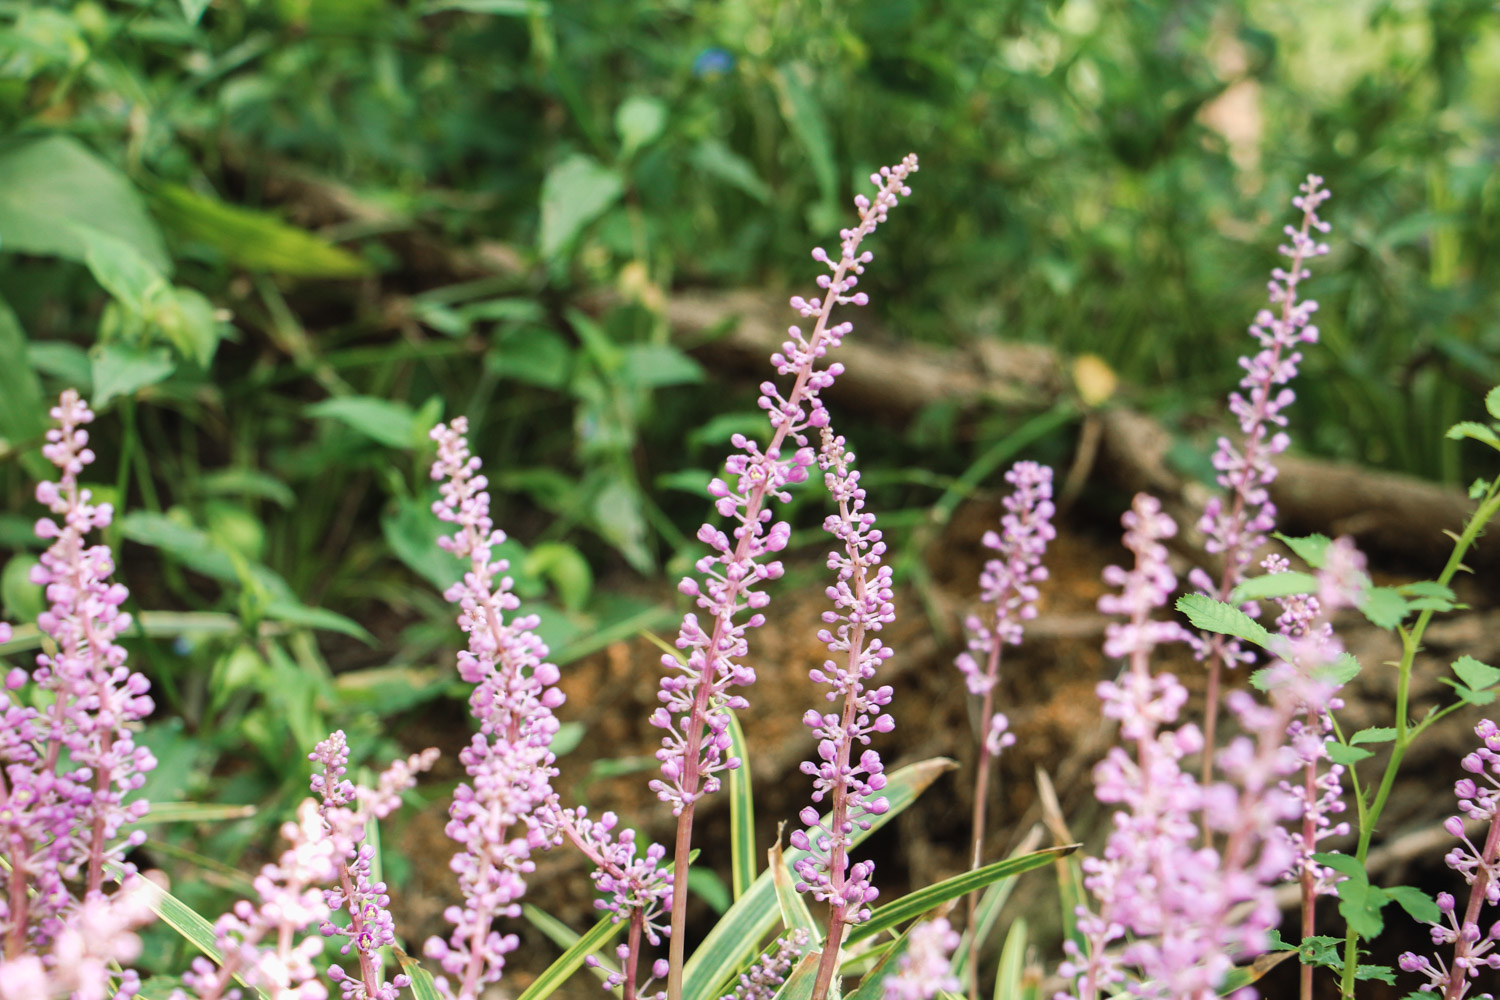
x: 500, y: 815
x: 925, y: 970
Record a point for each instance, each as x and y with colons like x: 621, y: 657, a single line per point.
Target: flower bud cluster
x: 345, y: 809
x: 1475, y: 948
x: 68, y: 769
x: 631, y: 882
x: 765, y: 976
x: 1237, y: 528
x: 862, y: 597
x: 500, y: 815
x: 696, y: 690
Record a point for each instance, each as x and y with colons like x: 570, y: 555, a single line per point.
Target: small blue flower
x: 712, y: 62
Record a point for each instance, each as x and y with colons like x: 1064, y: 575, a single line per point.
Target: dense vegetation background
x: 275, y: 240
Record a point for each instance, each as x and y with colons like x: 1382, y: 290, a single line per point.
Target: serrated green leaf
x: 1474, y: 673
x: 1475, y: 432
x: 389, y: 422
x: 734, y: 939
x: 1417, y: 904
x: 1346, y: 755
x: 916, y: 903
x: 1384, y: 607
x: 741, y: 813
x: 1274, y: 585
x: 1427, y: 588
x: 1309, y: 548
x: 1467, y: 694
x: 1492, y: 402
x: 1430, y: 604
x: 1225, y: 619
x: 1344, y: 669
x: 1375, y: 734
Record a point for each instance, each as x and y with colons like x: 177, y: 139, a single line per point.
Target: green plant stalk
x: 1411, y: 641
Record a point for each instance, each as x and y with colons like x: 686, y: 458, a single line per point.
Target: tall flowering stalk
x: 1008, y: 585
x: 1475, y: 948
x: 1237, y: 529
x: 862, y: 596
x: 346, y: 808
x: 499, y: 816
x: 696, y: 694
x: 69, y: 768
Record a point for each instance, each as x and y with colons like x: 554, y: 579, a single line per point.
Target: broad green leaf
x: 54, y: 190
x: 639, y: 120
x: 193, y: 9
x: 1492, y: 402
x: 1346, y: 755
x: 1274, y: 585
x: 508, y: 8
x: 1427, y: 588
x: 412, y: 530
x: 422, y: 986
x: 805, y: 119
x: 187, y: 320
x: 575, y: 193
x: 122, y: 270
x: 741, y: 812
x: 23, y: 412
x: 621, y: 522
x: 245, y: 482
x: 123, y: 369
x: 1384, y: 607
x: 914, y: 904
x: 66, y: 362
x: 20, y: 599
x: 1417, y: 904
x: 1475, y: 674
x: 252, y: 239
x: 1379, y: 734
x: 717, y: 160
x: 650, y: 366
x: 1474, y: 431
x: 791, y: 903
x: 565, y: 568
x: 1309, y: 548
x: 389, y: 422
x: 734, y: 939
x: 1216, y: 616
x: 534, y: 355
x: 1465, y: 693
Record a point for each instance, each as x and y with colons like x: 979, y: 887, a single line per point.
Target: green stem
x: 1369, y: 815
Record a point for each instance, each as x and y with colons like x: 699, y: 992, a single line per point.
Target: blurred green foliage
x: 275, y: 240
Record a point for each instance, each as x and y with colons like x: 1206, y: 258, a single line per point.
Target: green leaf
x: 563, y: 936
x: 534, y: 355
x: 575, y: 193
x: 734, y: 939
x: 1242, y: 976
x: 799, y: 985
x: 741, y: 812
x: 569, y: 962
x: 650, y: 366
x: 1468, y: 694
x: 1012, y: 961
x: 1417, y: 904
x: 639, y: 120
x: 1492, y: 402
x: 1344, y: 669
x: 188, y: 321
x: 805, y: 120
x: 1225, y: 619
x: 54, y: 190
x: 296, y: 613
x: 23, y: 413
x: 1359, y: 902
x: 915, y: 904
x: 1309, y: 548
x: 21, y: 599
x: 252, y: 239
x: 1427, y: 588
x: 193, y: 9
x: 620, y: 521
x: 123, y: 369
x: 1478, y: 488
x: 422, y: 986
x: 412, y: 531
x: 122, y: 270
x: 1384, y: 607
x: 706, y: 884
x: 1475, y: 674
x: 195, y: 930
x: 66, y: 362
x: 1380, y: 734
x: 790, y: 902
x: 1274, y: 585
x: 565, y: 568
x: 389, y: 422
x: 717, y: 160
x: 507, y: 8
x: 196, y: 812
x: 1346, y: 755
x: 250, y: 483
x: 1475, y: 432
